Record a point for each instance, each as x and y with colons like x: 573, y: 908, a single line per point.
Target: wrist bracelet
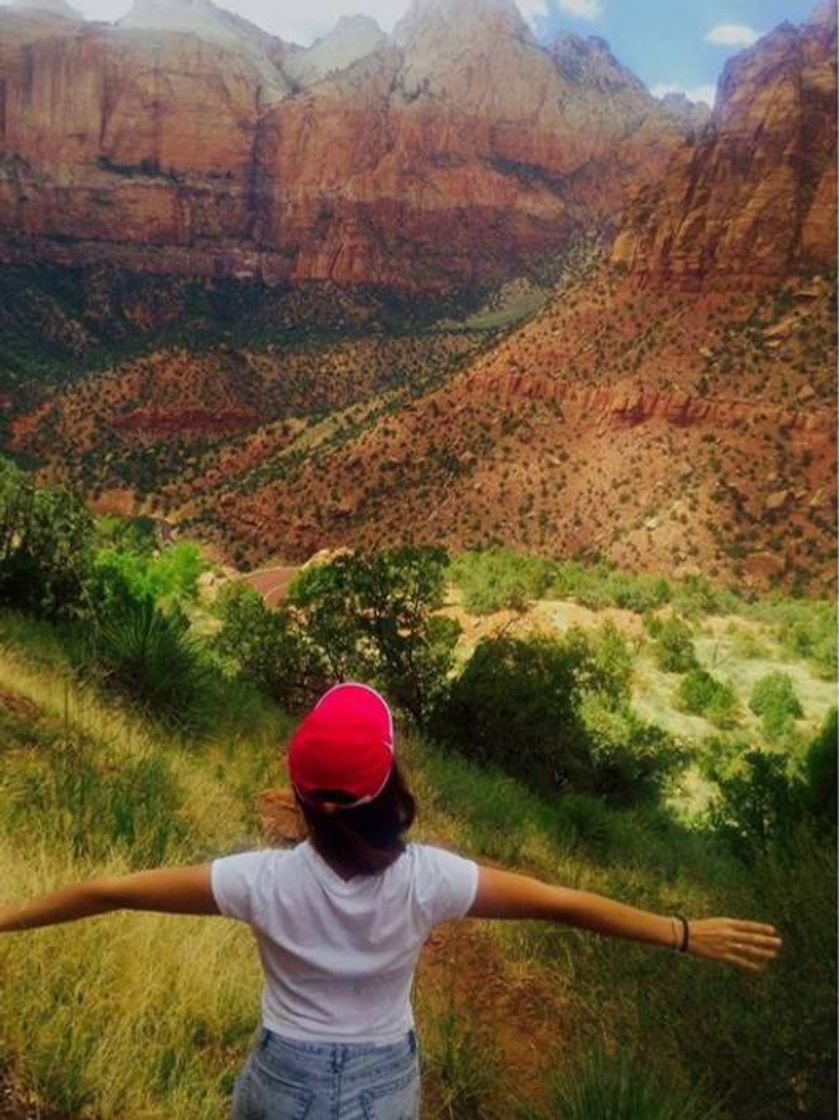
x: 683, y: 948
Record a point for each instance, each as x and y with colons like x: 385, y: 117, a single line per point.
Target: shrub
x: 701, y: 694
x: 169, y: 576
x: 556, y: 715
x: 46, y: 538
x: 759, y: 806
x: 774, y: 699
x: 149, y: 655
x: 630, y: 760
x: 516, y: 705
x: 673, y: 644
x: 820, y: 769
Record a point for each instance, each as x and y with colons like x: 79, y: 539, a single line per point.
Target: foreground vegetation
x: 130, y: 740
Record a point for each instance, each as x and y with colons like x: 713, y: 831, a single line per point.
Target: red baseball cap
x: 344, y: 744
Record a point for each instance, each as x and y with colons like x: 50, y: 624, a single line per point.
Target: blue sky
x: 665, y: 42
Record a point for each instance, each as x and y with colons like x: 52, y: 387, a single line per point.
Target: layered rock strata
x: 187, y: 142
x: 755, y: 197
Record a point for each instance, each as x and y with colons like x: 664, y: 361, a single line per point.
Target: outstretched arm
x: 503, y: 894
x: 176, y: 890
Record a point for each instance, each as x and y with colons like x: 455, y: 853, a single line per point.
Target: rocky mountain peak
x: 590, y: 63
x: 198, y: 17
x: 459, y: 20
x: 350, y: 40
x: 217, y: 25
x: 825, y: 14
x: 756, y: 197
x: 691, y: 115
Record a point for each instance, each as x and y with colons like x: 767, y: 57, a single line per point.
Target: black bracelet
x: 683, y: 948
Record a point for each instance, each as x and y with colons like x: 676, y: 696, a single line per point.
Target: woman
x: 340, y: 920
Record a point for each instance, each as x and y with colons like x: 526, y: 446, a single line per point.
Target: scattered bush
x: 46, y: 539
x: 805, y: 628
x: 499, y: 578
x: 672, y: 644
x: 774, y: 699
x: 701, y: 694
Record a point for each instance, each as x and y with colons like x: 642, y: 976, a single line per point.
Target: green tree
x: 372, y: 616
x: 46, y: 539
x: 758, y: 806
x: 556, y: 715
x: 820, y: 769
x: 271, y: 647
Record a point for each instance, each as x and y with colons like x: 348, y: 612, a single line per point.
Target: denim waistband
x: 269, y: 1039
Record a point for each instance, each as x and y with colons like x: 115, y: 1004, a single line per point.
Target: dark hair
x: 366, y: 840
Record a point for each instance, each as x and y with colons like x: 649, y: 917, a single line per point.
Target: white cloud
x: 582, y: 9
x: 732, y: 35
x: 693, y: 93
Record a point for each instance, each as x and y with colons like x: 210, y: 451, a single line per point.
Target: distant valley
x: 389, y: 297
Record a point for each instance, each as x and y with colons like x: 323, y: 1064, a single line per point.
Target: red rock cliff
x: 756, y: 196
x: 449, y: 154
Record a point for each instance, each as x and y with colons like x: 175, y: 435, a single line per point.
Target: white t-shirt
x: 339, y: 955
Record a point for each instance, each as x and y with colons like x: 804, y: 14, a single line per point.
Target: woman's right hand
x: 749, y: 946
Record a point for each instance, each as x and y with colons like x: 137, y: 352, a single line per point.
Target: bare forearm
x: 82, y: 900
x: 505, y: 895
x: 166, y: 891
x: 743, y: 944
x: 615, y: 919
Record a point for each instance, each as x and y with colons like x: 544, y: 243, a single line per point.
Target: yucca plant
x: 149, y: 655
x: 620, y: 1087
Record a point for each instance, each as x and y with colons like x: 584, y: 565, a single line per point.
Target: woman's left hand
x: 749, y: 946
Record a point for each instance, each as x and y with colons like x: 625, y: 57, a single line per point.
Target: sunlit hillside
x: 145, y: 731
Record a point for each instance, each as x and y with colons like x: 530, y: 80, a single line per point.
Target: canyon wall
x: 755, y: 197
x: 451, y: 153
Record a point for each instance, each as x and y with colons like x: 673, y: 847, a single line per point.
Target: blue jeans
x: 289, y: 1080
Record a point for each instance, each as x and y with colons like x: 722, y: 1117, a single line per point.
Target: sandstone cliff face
x: 755, y: 198
x: 448, y: 154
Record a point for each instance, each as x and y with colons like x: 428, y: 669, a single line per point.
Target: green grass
x: 148, y: 1016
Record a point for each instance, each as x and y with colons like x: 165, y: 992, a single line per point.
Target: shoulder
x: 434, y: 856
x: 444, y: 879
x: 238, y: 881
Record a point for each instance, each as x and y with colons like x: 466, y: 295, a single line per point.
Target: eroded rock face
x: 755, y: 198
x: 187, y: 142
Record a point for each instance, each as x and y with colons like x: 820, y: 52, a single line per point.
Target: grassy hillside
x: 143, y: 1016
